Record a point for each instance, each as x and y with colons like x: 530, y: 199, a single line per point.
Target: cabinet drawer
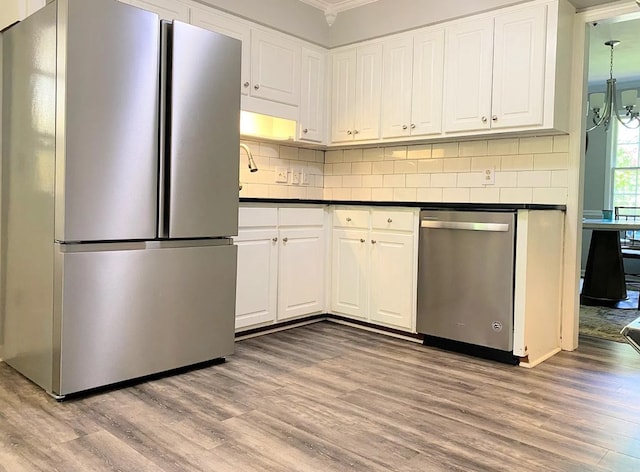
x: 301, y: 216
x: 394, y: 220
x: 347, y: 218
x: 249, y: 217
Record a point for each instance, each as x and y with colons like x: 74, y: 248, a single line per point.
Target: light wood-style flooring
x: 327, y: 397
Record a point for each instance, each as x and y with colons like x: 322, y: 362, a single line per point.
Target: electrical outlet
x: 489, y: 176
x: 282, y: 175
x: 295, y: 176
x: 304, y: 177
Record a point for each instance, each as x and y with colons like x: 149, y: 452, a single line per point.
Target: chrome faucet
x: 252, y: 164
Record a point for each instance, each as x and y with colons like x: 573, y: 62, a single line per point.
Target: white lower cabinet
x: 374, y: 266
x: 281, y: 265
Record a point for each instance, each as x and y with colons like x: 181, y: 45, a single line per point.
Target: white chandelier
x: 604, y: 105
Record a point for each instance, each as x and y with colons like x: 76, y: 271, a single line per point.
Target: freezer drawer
x: 133, y: 312
x: 466, y: 277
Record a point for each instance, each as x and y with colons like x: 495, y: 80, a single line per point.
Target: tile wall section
x: 527, y: 170
x: 268, y: 157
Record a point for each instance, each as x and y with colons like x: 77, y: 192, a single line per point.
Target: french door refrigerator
x: 120, y: 194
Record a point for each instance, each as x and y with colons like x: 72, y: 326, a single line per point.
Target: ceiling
x: 626, y: 55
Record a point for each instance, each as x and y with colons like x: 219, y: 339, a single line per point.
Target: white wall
x: 290, y: 16
x: 391, y: 16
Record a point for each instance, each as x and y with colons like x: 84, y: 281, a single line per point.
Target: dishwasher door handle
x: 465, y: 225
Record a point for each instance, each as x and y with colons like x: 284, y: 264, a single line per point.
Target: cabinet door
x: 519, y: 67
x: 343, y: 95
x: 426, y: 105
x: 312, y: 96
x: 166, y: 9
x: 300, y: 272
x: 396, y: 87
x: 368, y: 92
x: 17, y: 10
x: 468, y: 75
x: 275, y: 68
x: 235, y: 29
x: 391, y: 279
x: 256, y: 289
x: 350, y: 266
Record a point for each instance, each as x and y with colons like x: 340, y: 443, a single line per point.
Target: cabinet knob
x: 348, y: 218
x: 284, y: 240
x: 494, y: 117
x: 306, y: 130
x: 484, y: 119
x: 275, y: 240
x: 246, y: 84
x: 355, y: 131
x: 389, y: 220
x: 256, y: 86
x: 361, y: 240
x: 349, y: 133
x: 413, y: 126
x: 404, y: 126
x: 373, y: 241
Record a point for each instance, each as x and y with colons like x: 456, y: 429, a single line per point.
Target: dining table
x: 604, y: 279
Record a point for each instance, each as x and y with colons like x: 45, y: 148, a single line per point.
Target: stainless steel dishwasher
x: 466, y: 280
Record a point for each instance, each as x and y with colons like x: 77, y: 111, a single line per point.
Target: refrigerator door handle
x: 165, y: 123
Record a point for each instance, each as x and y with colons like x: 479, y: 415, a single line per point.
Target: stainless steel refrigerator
x: 119, y: 194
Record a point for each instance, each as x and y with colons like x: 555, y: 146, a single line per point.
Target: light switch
x: 489, y: 176
x: 295, y: 176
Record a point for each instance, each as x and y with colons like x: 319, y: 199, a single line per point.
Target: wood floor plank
x: 329, y: 397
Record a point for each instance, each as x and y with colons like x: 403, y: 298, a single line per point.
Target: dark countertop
x: 426, y: 205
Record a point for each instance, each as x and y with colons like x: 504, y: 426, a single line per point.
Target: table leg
x: 604, y: 282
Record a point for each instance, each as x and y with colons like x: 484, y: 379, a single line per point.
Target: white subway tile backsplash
x: 361, y: 168
x: 331, y: 157
x: 418, y: 180
x: 278, y: 191
x: 372, y: 180
x: 456, y: 195
x: 554, y: 161
x: 470, y: 179
x: 536, y: 145
x: 363, y: 194
x: 517, y: 162
x: 315, y: 193
x: 382, y: 194
x: 485, y: 195
x: 297, y: 192
x: 393, y: 180
x: 384, y: 167
x: 535, y: 178
x: 353, y: 155
x: 328, y: 169
x: 473, y: 148
x: 396, y: 152
x: 267, y: 150
x: 342, y: 194
x: 487, y: 162
x: 560, y: 178
x: 506, y: 179
x: 430, y: 166
x: 429, y: 195
x: 444, y: 150
x: 342, y: 168
x: 516, y: 195
x: 561, y: 143
x: 457, y: 164
x: 498, y: 147
x: 444, y: 180
x: 422, y: 151
x: 333, y: 181
x: 352, y: 181
x: 307, y: 155
x: 289, y: 152
x: 373, y: 154
x: 404, y: 194
x: 405, y: 167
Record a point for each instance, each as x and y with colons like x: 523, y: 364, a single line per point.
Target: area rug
x: 603, y: 322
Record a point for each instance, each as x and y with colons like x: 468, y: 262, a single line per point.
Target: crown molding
x: 331, y: 9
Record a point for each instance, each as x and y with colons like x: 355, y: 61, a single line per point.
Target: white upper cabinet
x: 496, y: 72
x: 412, y: 84
x: 275, y: 67
x: 356, y: 93
x: 17, y: 10
x: 312, y: 97
x: 228, y: 26
x: 166, y: 9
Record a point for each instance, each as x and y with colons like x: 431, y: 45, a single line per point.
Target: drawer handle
x: 404, y: 126
x: 284, y: 240
x: 361, y: 240
x: 348, y: 219
x: 373, y: 241
x: 275, y: 240
x: 389, y: 220
x: 246, y: 84
x: 256, y: 86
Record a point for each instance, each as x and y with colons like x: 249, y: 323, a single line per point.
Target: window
x: 625, y: 167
